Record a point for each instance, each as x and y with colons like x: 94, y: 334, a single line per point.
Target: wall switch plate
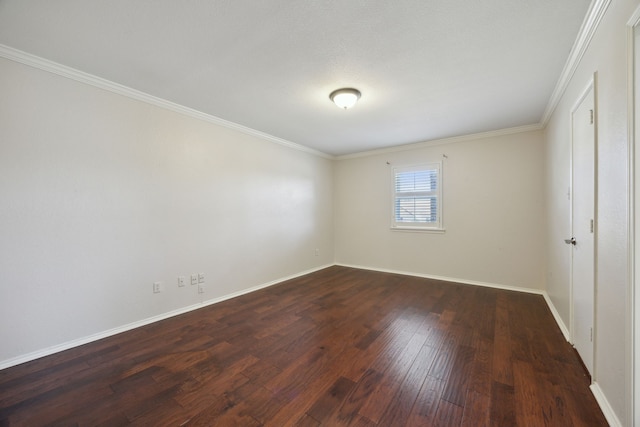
x: 181, y: 280
x: 201, y: 289
x: 194, y: 279
x: 317, y: 251
x: 157, y: 287
x: 201, y: 278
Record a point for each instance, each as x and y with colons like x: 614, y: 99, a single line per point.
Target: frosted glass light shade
x: 345, y: 98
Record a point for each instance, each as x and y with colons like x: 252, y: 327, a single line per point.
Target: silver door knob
x: 571, y: 241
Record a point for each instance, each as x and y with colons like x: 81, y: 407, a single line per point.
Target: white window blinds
x: 417, y: 197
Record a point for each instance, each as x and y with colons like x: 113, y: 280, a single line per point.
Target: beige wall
x: 493, y: 212
x: 102, y: 195
x: 606, y: 55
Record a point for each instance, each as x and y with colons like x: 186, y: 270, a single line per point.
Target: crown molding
x: 92, y: 80
x: 594, y: 16
x: 443, y: 141
x: 596, y: 11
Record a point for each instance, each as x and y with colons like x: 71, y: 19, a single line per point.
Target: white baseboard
x: 448, y: 279
x: 556, y: 315
x: 595, y: 388
x: 608, y: 412
x: 100, y: 335
x: 264, y: 285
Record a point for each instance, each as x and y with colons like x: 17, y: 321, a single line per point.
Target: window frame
x: 437, y: 226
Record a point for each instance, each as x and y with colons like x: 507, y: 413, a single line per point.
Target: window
x: 417, y: 197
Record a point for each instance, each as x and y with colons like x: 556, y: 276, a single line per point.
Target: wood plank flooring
x: 337, y: 347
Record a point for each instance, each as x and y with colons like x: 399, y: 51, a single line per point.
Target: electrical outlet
x: 181, y: 280
x: 317, y: 251
x: 201, y: 289
x: 201, y: 278
x: 157, y: 287
x: 194, y: 279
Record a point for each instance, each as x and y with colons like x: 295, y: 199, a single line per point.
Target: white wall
x: 606, y: 55
x: 493, y: 212
x: 102, y: 195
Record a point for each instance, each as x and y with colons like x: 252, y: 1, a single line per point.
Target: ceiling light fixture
x: 345, y: 98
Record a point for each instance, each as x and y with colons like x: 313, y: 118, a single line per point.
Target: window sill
x: 419, y: 230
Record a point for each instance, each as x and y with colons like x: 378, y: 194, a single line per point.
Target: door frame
x: 591, y: 85
x: 633, y: 260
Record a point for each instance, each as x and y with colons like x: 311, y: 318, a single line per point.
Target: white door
x: 583, y: 226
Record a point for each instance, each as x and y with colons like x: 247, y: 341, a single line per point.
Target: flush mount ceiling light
x: 345, y: 98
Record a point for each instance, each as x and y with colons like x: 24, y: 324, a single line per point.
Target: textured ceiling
x: 427, y: 69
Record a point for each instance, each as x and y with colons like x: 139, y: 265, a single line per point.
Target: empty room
x: 319, y: 213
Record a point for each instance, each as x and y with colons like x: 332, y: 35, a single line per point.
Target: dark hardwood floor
x: 337, y: 347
